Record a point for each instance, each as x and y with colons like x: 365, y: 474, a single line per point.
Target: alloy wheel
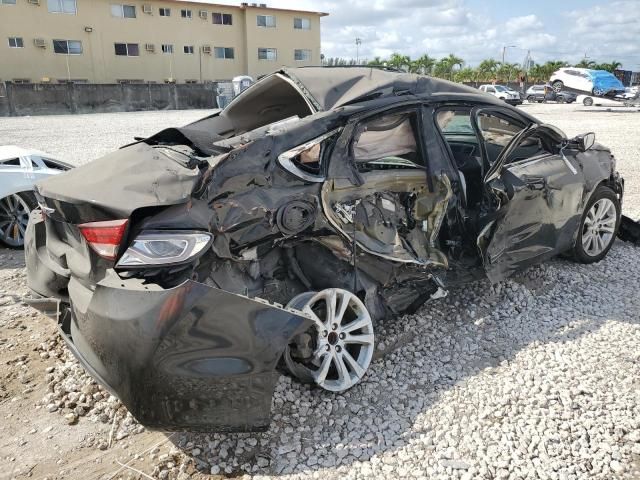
x: 344, y: 339
x: 14, y: 216
x: 599, y: 227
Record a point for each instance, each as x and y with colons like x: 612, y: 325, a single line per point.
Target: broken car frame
x: 347, y: 195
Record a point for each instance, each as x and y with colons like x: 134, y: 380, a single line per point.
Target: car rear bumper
x: 191, y: 357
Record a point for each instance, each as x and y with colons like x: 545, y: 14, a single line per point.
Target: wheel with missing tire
x: 598, y: 226
x: 339, y: 345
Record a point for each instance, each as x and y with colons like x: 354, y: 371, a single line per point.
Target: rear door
x: 533, y: 196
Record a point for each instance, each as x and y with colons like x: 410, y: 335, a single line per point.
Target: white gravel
x: 536, y: 377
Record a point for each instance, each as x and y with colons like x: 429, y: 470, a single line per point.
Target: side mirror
x: 585, y: 141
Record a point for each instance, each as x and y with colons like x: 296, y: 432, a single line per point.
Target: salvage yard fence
x: 54, y: 99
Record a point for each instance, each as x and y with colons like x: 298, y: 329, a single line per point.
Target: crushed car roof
x: 335, y: 87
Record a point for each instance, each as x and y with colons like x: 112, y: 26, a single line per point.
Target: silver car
x: 19, y: 169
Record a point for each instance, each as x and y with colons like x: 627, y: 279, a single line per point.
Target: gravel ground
x: 535, y: 377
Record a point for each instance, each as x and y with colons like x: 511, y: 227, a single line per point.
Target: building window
x: 188, y: 49
x: 302, y: 55
x: 186, y: 14
x: 302, y: 24
x: 167, y: 48
x: 7, y: 2
x: 67, y: 47
x: 127, y: 49
x: 164, y: 12
x: 267, y: 54
x: 268, y: 21
x: 19, y: 80
x: 191, y: 81
x: 222, y: 18
x: 62, y: 6
x: 123, y: 11
x: 16, y: 42
x: 224, y: 53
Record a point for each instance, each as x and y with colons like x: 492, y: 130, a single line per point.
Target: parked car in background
x: 348, y: 195
x: 594, y: 82
x: 536, y: 93
x: 618, y: 101
x: 503, y: 93
x: 19, y: 170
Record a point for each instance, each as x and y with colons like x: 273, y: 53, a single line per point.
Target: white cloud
x: 439, y: 27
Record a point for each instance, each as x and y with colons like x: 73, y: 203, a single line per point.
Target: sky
x: 569, y: 30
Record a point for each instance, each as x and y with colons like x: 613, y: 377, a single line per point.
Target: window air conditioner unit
x: 150, y: 47
x: 40, y: 42
x: 203, y: 14
x: 206, y: 49
x: 147, y: 9
x: 34, y: 2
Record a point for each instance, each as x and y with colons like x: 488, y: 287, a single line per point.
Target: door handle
x: 536, y: 183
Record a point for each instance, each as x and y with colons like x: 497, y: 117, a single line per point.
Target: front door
x: 535, y: 193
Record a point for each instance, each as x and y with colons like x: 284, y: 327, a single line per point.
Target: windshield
x: 500, y: 88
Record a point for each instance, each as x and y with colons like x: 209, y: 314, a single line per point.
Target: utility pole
x: 358, y: 43
x: 504, y: 49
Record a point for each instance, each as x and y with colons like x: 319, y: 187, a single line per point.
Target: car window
x: 454, y: 122
x: 497, y: 132
x: 387, y: 142
x: 309, y: 158
x: 500, y: 88
x: 491, y: 90
x: 11, y: 161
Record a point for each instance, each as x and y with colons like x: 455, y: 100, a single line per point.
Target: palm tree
x: 508, y: 71
x: 536, y: 74
x: 466, y: 74
x: 487, y: 70
x: 584, y: 63
x: 399, y: 61
x: 423, y: 65
x: 445, y: 66
x: 549, y: 67
x: 609, y: 67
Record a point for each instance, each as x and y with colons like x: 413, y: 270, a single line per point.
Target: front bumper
x: 192, y: 357
x: 513, y: 101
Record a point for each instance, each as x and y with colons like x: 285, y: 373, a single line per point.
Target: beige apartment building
x: 132, y: 41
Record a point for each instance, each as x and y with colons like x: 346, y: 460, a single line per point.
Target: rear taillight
x: 104, y: 237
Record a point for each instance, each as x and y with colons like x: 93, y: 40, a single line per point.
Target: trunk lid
x: 113, y: 186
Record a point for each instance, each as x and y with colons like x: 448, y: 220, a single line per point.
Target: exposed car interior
x: 393, y: 214
x: 270, y: 100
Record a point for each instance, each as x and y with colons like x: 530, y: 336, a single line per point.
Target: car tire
x: 587, y: 102
x: 531, y: 99
x: 560, y: 99
x: 597, y: 92
x: 13, y: 207
x: 557, y: 86
x: 598, y: 226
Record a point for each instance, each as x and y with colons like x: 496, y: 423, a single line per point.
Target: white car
x: 19, y: 170
x: 503, y: 93
x: 596, y: 82
x: 589, y: 100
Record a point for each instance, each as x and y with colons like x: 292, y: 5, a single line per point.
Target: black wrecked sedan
x: 188, y: 270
